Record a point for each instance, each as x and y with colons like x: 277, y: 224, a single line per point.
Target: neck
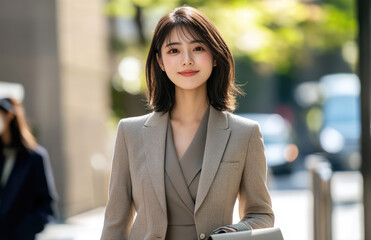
x: 189, y: 105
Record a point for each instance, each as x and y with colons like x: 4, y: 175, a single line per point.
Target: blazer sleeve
x: 255, y: 208
x: 120, y: 211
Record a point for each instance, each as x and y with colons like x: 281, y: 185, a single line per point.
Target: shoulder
x: 236, y: 121
x: 133, y: 122
x: 131, y: 126
x: 39, y: 154
x: 41, y: 151
x: 243, y: 128
x: 35, y: 158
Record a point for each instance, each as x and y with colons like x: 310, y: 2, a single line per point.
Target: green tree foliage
x: 273, y: 32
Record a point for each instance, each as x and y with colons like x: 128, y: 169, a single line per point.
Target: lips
x: 188, y: 73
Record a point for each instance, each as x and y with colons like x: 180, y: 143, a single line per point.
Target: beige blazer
x: 234, y: 166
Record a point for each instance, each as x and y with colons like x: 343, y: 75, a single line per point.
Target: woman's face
x: 5, y: 119
x: 188, y: 62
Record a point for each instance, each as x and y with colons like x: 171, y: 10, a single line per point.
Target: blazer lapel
x: 16, y: 180
x: 217, y: 137
x: 154, y: 135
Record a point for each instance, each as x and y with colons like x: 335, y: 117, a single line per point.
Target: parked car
x: 340, y: 133
x: 280, y: 150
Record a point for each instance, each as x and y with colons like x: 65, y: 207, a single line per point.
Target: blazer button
x: 202, y: 236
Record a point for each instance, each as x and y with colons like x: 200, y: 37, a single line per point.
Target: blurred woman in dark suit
x: 26, y: 182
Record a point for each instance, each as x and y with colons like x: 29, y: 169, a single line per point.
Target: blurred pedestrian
x: 26, y: 182
x: 182, y: 167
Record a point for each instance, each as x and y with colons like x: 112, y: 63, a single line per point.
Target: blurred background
x: 80, y: 65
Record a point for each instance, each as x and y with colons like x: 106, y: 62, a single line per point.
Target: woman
x: 26, y: 183
x: 181, y: 168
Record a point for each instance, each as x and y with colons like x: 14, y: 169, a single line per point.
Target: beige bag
x: 258, y: 234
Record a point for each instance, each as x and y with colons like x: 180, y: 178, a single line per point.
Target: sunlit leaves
x: 273, y: 32
x: 117, y: 8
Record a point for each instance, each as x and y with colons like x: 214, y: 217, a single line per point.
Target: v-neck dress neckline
x: 181, y: 183
x: 189, y: 161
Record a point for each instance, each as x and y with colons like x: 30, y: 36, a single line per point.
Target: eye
x: 199, y: 49
x: 173, y: 50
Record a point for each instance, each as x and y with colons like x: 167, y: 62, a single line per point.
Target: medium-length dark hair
x: 221, y: 88
x: 22, y: 137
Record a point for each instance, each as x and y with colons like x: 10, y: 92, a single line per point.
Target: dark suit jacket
x: 26, y: 199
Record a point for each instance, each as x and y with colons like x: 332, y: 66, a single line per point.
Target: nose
x: 187, y: 59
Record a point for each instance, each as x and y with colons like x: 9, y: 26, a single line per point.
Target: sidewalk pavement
x: 86, y: 226
x: 293, y: 211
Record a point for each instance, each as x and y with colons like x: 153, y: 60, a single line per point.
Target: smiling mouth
x: 188, y: 73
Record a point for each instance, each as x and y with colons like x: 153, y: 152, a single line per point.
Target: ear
x: 159, y: 61
x: 214, y: 63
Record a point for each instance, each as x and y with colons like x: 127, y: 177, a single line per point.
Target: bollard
x: 320, y: 173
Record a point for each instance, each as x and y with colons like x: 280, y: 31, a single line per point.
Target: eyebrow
x: 178, y: 43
